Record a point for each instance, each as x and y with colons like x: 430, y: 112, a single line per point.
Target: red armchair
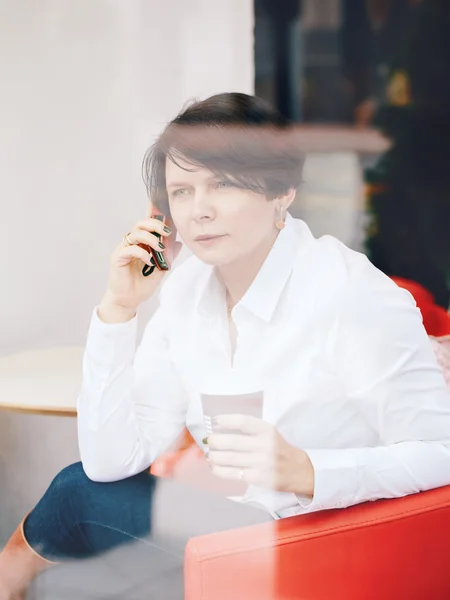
x: 388, y: 549
x: 436, y: 319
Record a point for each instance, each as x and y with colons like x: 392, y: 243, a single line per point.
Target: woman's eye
x: 181, y: 192
x: 224, y: 184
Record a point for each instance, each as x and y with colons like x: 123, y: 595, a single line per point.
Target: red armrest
x: 388, y: 549
x: 378, y: 550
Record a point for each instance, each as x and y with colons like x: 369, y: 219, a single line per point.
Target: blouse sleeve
x: 390, y: 374
x: 132, y: 404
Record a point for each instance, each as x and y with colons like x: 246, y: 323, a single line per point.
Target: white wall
x: 86, y: 84
x: 85, y: 87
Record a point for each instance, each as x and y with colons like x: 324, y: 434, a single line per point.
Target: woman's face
x: 218, y: 222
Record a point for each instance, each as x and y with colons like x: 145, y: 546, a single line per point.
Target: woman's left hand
x: 255, y: 452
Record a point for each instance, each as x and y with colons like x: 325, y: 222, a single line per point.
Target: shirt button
x: 338, y: 504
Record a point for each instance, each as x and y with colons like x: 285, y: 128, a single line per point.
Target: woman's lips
x: 209, y: 240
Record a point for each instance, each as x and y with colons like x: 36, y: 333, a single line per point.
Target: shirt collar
x: 261, y: 298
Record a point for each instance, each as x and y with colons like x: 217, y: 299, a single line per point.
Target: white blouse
x: 347, y: 370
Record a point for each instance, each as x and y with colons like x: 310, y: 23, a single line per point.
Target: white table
x: 44, y: 381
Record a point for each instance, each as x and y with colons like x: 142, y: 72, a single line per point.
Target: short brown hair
x: 237, y: 136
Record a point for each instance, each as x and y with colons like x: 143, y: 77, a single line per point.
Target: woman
x: 355, y: 406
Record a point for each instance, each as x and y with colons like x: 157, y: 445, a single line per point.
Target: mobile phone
x: 159, y: 256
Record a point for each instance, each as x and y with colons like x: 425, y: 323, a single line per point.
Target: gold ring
x: 126, y: 240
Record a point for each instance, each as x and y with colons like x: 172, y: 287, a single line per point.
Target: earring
x: 280, y: 223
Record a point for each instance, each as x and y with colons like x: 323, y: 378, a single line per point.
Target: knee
x: 73, y: 487
x: 70, y: 480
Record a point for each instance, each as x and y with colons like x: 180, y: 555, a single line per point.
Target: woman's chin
x: 215, y: 259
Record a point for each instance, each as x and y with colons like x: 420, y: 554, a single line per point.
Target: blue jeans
x: 149, y: 517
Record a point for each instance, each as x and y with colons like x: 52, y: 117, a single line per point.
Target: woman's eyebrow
x: 173, y: 184
x: 177, y: 184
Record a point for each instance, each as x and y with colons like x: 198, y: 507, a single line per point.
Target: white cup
x: 214, y: 405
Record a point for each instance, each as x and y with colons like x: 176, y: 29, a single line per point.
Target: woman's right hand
x: 127, y: 286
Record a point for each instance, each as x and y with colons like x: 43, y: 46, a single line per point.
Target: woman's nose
x: 202, y: 206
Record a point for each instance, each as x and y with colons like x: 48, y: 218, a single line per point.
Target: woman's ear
x: 287, y: 199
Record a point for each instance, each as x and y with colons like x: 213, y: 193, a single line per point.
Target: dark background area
x: 381, y: 64
x: 318, y: 60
